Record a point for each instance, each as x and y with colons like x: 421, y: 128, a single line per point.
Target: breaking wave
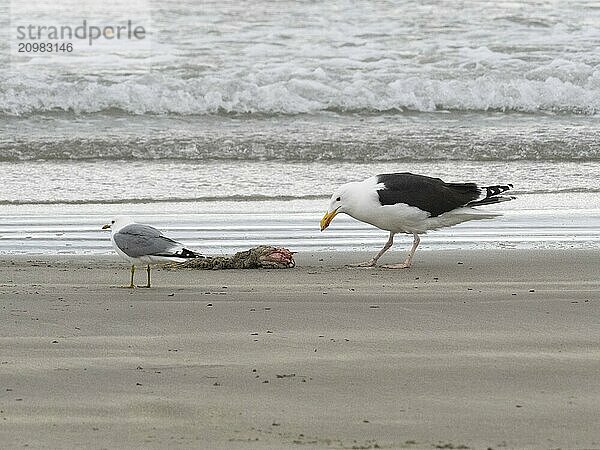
x: 310, y: 92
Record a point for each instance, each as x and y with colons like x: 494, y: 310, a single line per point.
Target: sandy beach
x: 476, y: 349
x: 230, y: 125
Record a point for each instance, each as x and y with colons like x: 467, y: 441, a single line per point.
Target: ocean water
x: 231, y: 123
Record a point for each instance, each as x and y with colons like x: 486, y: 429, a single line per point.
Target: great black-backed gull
x: 413, y: 204
x: 142, y: 244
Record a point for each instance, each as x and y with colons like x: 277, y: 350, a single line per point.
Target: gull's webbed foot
x: 369, y: 263
x: 403, y: 265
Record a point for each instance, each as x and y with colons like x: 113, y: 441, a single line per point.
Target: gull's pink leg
x: 408, y: 261
x: 373, y: 261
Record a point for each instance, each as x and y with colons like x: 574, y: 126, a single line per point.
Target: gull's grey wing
x: 137, y: 240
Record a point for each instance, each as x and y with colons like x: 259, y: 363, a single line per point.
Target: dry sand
x: 467, y: 349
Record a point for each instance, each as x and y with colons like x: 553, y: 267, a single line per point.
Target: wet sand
x: 478, y: 349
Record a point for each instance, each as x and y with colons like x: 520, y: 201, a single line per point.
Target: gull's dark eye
x: 339, y: 199
x: 112, y: 221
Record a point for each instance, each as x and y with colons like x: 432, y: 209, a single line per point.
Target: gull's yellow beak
x: 327, y: 218
x: 106, y: 227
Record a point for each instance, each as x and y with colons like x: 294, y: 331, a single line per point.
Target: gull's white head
x: 117, y: 223
x: 342, y: 201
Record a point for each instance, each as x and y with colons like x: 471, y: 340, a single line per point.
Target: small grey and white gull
x: 413, y: 204
x: 144, y: 245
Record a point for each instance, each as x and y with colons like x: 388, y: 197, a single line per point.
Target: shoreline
x: 223, y: 230
x: 491, y: 348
